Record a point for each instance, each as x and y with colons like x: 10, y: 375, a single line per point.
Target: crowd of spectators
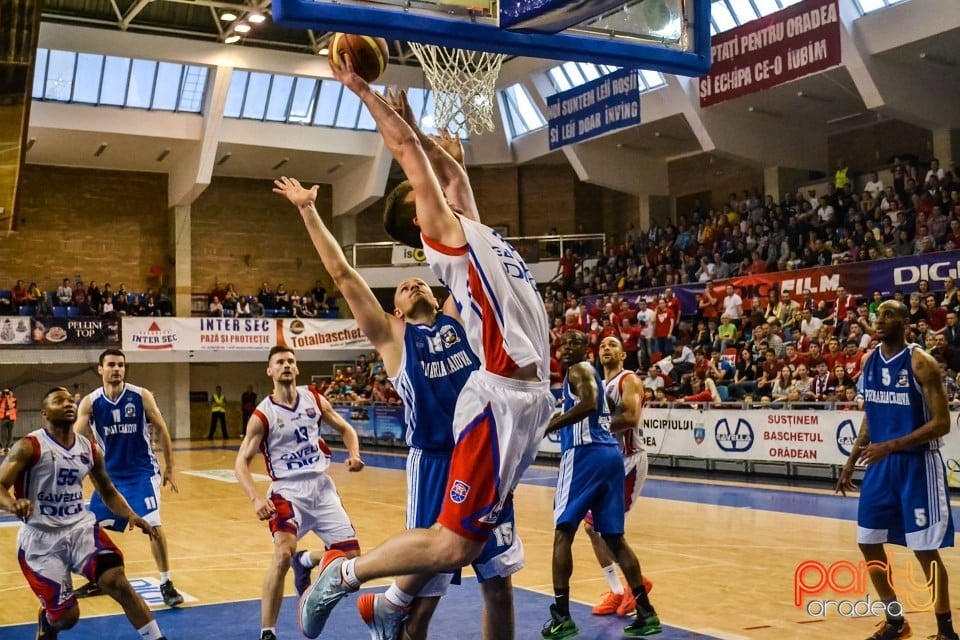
x: 360, y: 384
x: 88, y: 300
x: 778, y: 349
x: 227, y: 302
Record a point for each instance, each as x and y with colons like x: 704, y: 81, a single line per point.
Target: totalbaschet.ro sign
x: 849, y: 583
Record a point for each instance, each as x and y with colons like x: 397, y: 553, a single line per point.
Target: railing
x: 532, y: 248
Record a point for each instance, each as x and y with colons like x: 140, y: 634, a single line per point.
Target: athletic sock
x: 562, y: 597
x: 895, y: 620
x: 349, y: 575
x: 610, y: 573
x: 643, y: 601
x: 305, y: 560
x: 397, y: 597
x: 150, y: 631
x: 945, y: 624
x: 164, y: 576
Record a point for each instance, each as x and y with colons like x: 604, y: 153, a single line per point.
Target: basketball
x: 369, y: 55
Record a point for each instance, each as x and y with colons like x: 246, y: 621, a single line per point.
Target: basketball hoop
x: 463, y: 83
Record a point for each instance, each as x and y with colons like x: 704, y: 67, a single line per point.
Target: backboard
x: 672, y: 36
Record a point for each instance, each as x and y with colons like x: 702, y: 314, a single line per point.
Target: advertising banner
x: 404, y: 256
x: 810, y: 436
x: 15, y: 330
x: 388, y: 421
x: 240, y: 334
x: 76, y: 331
x: 370, y: 421
x: 606, y: 104
x: 763, y: 53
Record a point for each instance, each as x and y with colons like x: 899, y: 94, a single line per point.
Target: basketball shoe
x: 645, y: 624
x: 44, y: 630
x: 558, y: 627
x: 171, y: 597
x: 318, y: 601
x: 384, y: 619
x: 890, y: 631
x: 610, y: 603
x: 629, y: 604
x: 301, y: 575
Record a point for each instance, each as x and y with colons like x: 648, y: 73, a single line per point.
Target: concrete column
x: 180, y: 248
x: 946, y: 146
x: 178, y: 420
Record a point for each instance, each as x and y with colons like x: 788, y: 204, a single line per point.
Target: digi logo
x: 459, y: 491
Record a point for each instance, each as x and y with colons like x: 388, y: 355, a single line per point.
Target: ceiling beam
x: 134, y: 11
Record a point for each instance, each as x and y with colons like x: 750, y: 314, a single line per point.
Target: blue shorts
x: 502, y: 555
x: 143, y: 496
x: 591, y: 479
x: 904, y: 500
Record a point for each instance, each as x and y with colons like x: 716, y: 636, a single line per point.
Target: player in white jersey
x: 502, y: 411
x: 60, y: 535
x: 285, y: 428
x: 624, y: 392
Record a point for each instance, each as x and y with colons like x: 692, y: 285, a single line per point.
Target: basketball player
x: 59, y: 535
x: 121, y: 419
x: 624, y: 392
x: 426, y: 355
x: 903, y: 497
x: 285, y: 427
x: 590, y: 479
x: 501, y: 412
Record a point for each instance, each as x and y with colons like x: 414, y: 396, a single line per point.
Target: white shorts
x: 498, y: 425
x: 49, y: 557
x: 635, y: 470
x: 312, y: 504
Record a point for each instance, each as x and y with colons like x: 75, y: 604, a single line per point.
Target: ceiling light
x: 323, y: 52
x: 242, y: 28
x: 812, y: 96
x: 100, y: 149
x: 224, y: 158
x: 280, y: 164
x: 163, y: 155
x: 936, y: 59
x: 765, y: 112
x: 232, y: 39
x: 332, y: 170
x: 256, y: 18
x: 228, y: 17
x: 849, y: 116
x: 30, y: 143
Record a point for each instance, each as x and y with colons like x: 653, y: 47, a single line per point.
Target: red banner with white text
x: 772, y: 50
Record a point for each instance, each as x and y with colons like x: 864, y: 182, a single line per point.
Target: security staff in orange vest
x: 8, y: 419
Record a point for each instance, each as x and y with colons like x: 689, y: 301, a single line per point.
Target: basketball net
x: 463, y: 83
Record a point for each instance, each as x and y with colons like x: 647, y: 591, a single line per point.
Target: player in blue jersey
x: 590, y: 479
x: 426, y: 355
x: 903, y: 496
x: 121, y: 418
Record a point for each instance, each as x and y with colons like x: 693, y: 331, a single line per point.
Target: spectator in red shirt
x: 630, y: 337
x: 663, y: 328
x: 850, y: 360
x: 936, y: 315
x: 843, y: 302
x: 833, y: 353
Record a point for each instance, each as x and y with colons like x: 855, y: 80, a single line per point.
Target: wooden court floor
x: 725, y: 571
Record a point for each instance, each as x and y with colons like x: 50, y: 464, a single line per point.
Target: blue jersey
x: 892, y: 397
x: 595, y: 428
x: 122, y: 433
x: 437, y: 360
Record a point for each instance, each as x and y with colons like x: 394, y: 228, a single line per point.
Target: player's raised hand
x: 451, y: 144
x: 170, y: 478
x: 22, y: 508
x: 354, y: 464
x: 346, y: 76
x: 397, y: 99
x: 296, y: 193
x: 845, y: 481
x: 264, y: 508
x: 143, y: 525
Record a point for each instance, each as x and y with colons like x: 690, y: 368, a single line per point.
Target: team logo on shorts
x: 129, y: 410
x: 459, y: 491
x: 311, y: 413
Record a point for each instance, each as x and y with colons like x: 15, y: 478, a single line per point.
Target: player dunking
x: 59, y: 535
x: 426, y: 355
x: 122, y: 419
x: 591, y: 479
x: 903, y: 496
x: 285, y: 428
x: 501, y: 412
x: 624, y: 392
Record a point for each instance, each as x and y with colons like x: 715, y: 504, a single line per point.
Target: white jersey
x: 630, y: 441
x: 292, y: 446
x: 502, y: 312
x: 53, y: 481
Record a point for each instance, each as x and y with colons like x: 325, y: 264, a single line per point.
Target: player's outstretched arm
x: 113, y: 498
x: 82, y: 424
x: 347, y: 432
x: 583, y: 384
x: 241, y: 468
x: 14, y: 465
x: 437, y: 221
x: 155, y: 418
x: 375, y: 323
x: 631, y: 403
